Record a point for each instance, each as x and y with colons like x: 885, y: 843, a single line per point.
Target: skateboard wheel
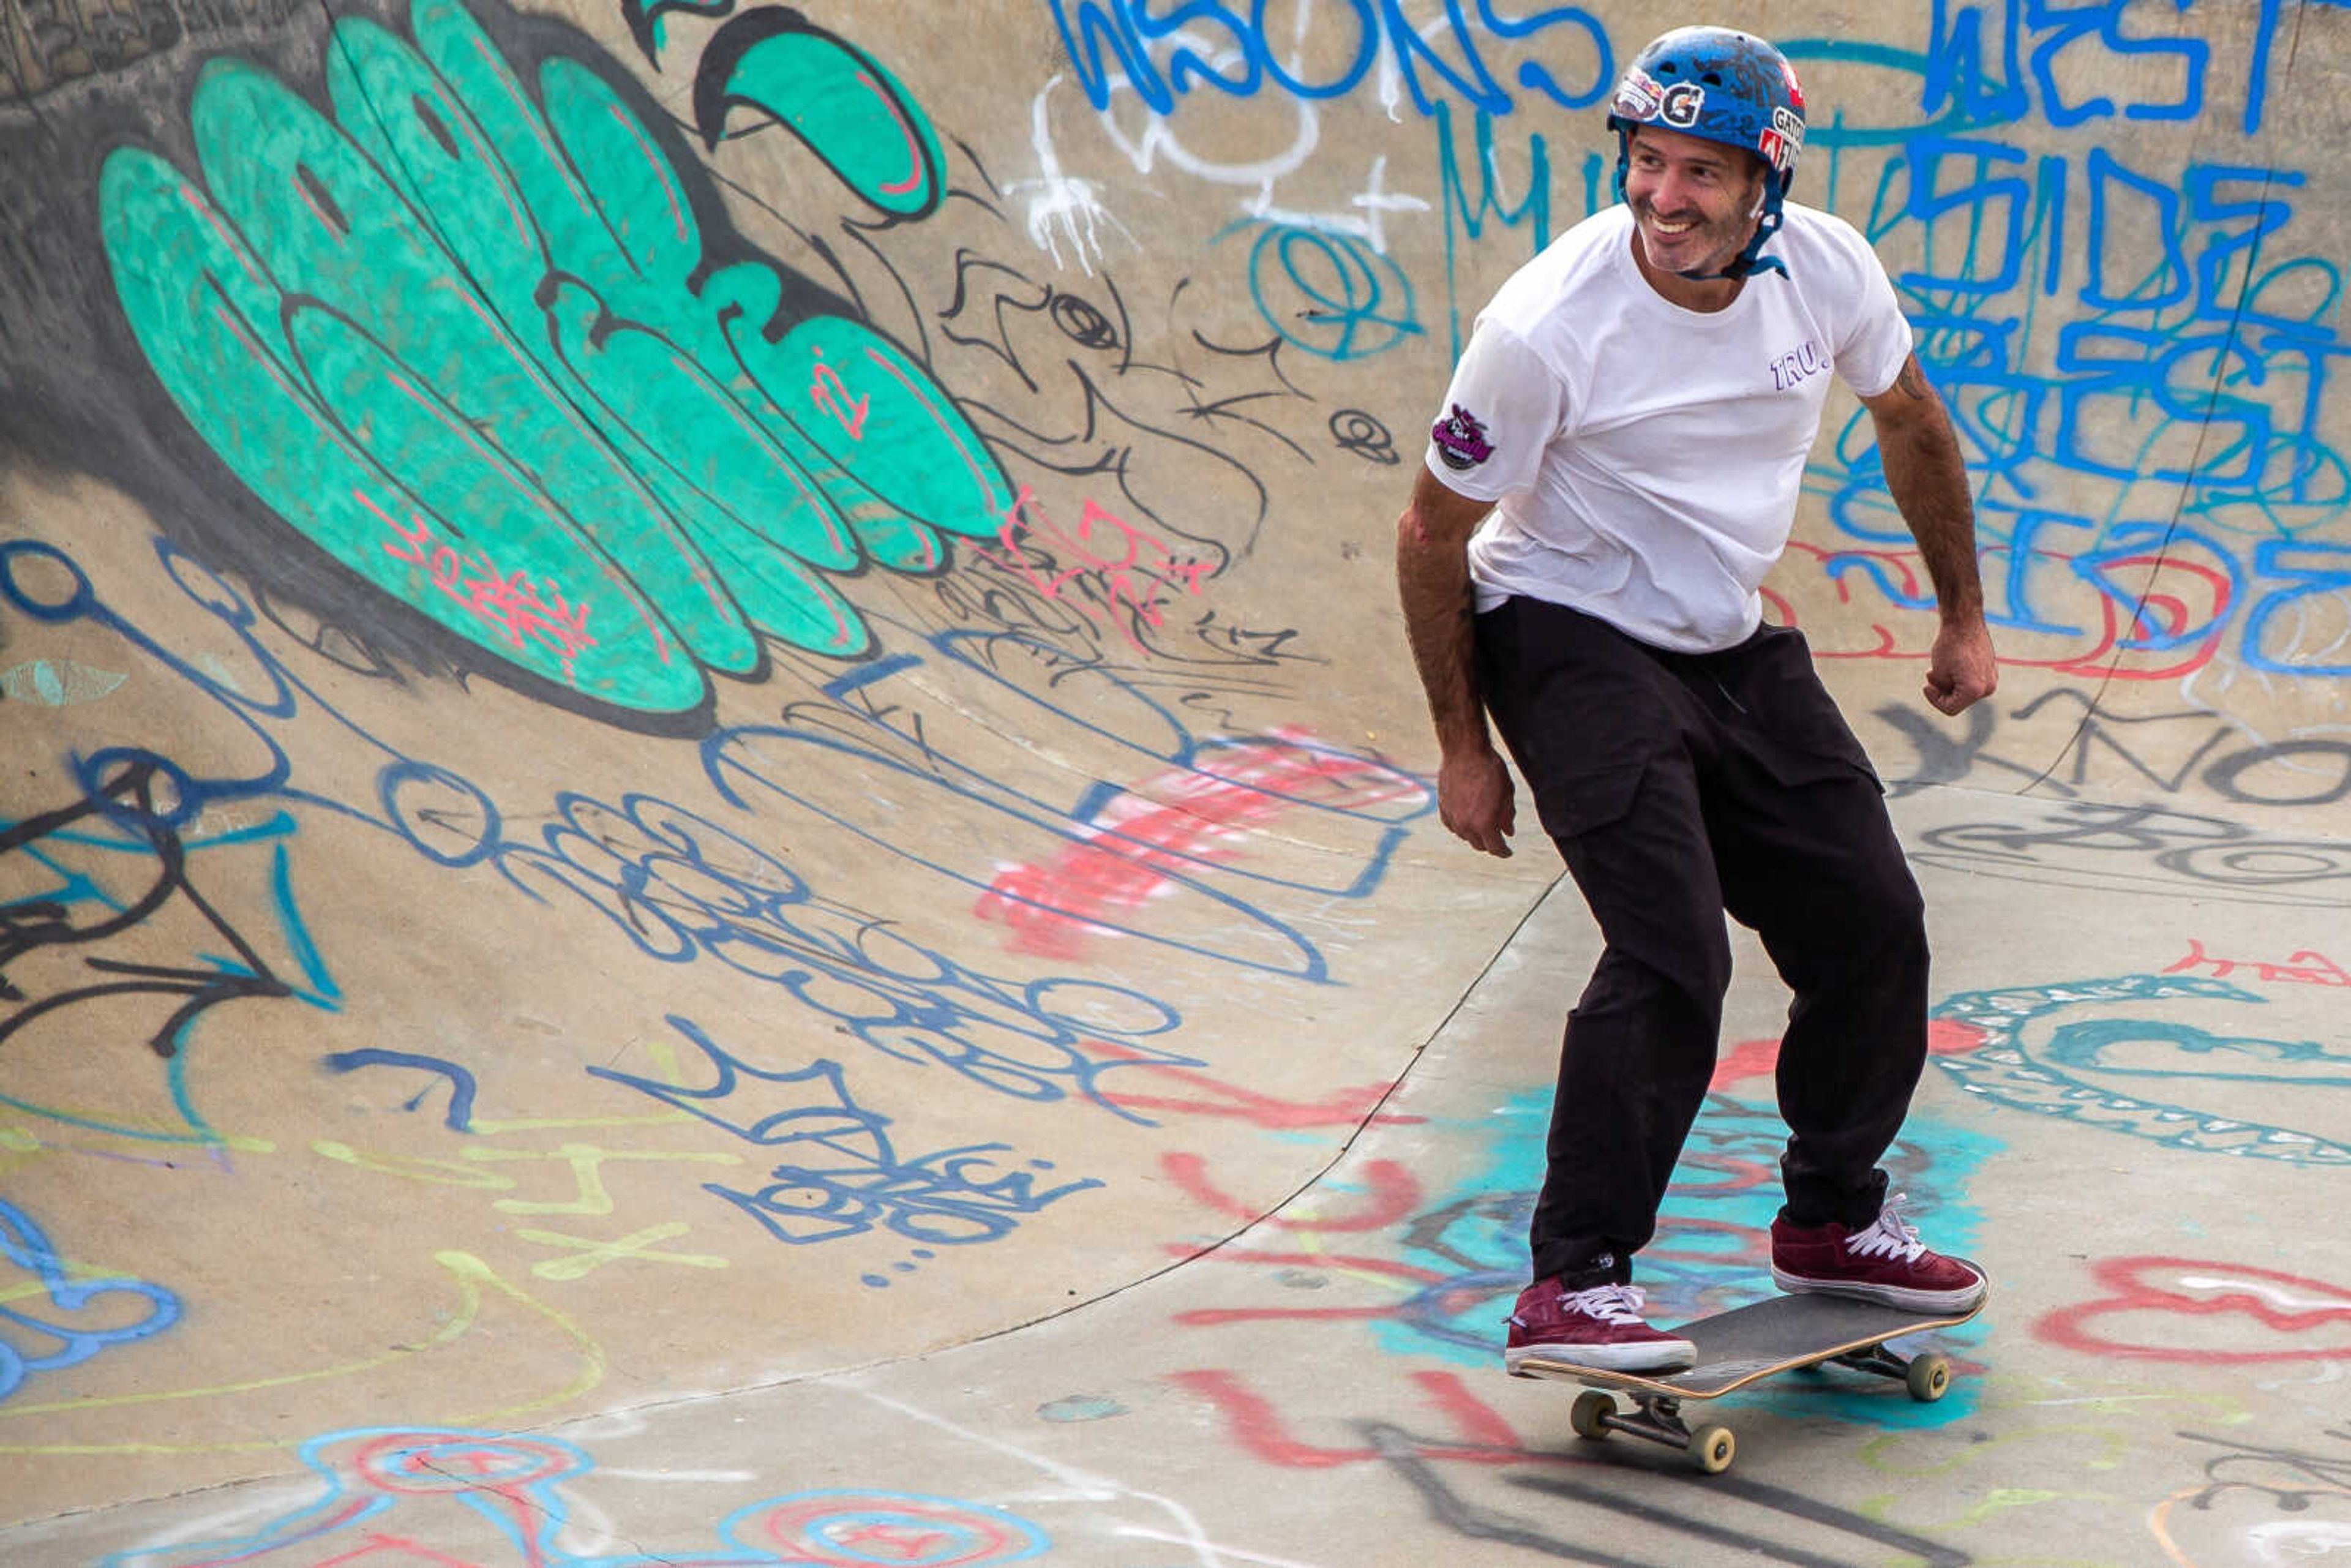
x: 1929, y: 1379
x: 1712, y: 1447
x: 1589, y: 1415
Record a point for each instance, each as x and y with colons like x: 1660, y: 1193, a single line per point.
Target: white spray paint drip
x: 1158, y: 140
x: 1158, y: 143
x: 2262, y: 1289
x: 2301, y: 1542
x: 1084, y: 1485
x: 1232, y: 1554
x: 1060, y: 207
x: 1373, y: 201
x: 251, y: 1510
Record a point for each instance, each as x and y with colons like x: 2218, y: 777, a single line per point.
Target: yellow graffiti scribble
x: 586, y: 1161
x: 107, y: 1122
x: 596, y: 1254
x: 435, y: 1173
x: 541, y: 1124
x: 475, y: 1281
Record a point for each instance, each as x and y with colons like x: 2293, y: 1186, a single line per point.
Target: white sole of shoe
x: 1893, y: 1296
x: 1659, y: 1357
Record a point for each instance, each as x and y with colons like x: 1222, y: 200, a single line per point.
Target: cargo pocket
x: 1586, y: 801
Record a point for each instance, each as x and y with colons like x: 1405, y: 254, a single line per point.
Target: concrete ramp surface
x: 716, y: 846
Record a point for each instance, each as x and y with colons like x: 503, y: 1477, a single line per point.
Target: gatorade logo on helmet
x: 1685, y: 102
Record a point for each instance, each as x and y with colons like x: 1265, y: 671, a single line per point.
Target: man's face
x: 1693, y: 201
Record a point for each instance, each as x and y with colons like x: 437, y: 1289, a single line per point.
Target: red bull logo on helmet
x: 1639, y: 97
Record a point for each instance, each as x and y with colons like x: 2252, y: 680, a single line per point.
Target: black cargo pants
x: 1678, y: 787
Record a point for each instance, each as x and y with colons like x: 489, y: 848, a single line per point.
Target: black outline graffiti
x: 2306, y: 1478
x: 1355, y: 431
x: 127, y: 801
x: 1941, y: 758
x: 48, y: 44
x: 2089, y: 840
x: 1408, y: 1456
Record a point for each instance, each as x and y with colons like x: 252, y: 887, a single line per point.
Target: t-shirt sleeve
x: 1877, y: 340
x: 1499, y: 413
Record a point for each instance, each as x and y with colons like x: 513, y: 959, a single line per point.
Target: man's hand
x: 1961, y: 668
x: 1474, y: 800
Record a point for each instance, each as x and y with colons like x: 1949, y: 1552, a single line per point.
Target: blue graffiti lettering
x: 846, y: 1176
x: 27, y: 1246
x: 1118, y: 45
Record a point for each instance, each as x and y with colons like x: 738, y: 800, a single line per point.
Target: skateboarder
x: 1615, y: 470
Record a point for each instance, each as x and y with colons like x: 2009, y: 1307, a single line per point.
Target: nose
x: 1671, y: 192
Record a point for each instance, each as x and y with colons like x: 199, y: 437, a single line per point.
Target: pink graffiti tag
x: 1257, y: 1426
x: 828, y: 391
x: 1205, y: 1095
x: 507, y: 601
x: 2304, y: 968
x: 1106, y: 562
x: 2197, y: 1311
x: 1167, y: 828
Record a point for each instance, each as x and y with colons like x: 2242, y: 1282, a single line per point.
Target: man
x: 1616, y: 470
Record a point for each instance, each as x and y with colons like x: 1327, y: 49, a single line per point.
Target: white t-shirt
x: 1643, y: 459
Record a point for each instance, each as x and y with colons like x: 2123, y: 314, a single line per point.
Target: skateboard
x: 1745, y: 1345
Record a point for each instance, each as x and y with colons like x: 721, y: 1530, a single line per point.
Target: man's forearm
x: 1927, y: 477
x: 1433, y: 581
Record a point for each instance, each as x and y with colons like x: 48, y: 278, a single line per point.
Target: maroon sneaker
x: 1601, y: 1327
x: 1883, y: 1262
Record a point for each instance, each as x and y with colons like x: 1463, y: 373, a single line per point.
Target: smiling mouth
x: 1672, y: 230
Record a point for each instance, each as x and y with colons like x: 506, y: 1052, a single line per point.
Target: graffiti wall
x: 696, y: 692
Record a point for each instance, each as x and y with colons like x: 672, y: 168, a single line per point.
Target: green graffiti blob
x: 837, y: 98
x: 458, y: 334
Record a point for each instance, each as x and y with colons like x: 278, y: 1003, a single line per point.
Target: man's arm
x: 1929, y: 479
x: 1473, y: 787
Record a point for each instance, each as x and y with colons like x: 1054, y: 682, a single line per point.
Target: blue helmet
x: 1722, y: 86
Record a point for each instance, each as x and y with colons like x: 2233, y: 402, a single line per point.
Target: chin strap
x: 1751, y: 260
x: 1745, y: 264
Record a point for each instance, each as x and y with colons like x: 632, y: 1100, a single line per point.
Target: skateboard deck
x: 1745, y: 1345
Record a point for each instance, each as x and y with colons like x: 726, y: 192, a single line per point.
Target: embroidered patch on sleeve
x: 1460, y: 439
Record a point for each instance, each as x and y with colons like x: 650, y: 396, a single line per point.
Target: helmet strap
x: 1752, y: 260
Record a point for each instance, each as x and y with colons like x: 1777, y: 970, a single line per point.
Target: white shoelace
x: 1888, y: 1238
x: 1612, y: 1303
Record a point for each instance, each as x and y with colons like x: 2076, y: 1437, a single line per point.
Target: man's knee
x: 1691, y: 972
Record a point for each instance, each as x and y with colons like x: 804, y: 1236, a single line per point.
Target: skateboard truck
x: 1657, y: 1417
